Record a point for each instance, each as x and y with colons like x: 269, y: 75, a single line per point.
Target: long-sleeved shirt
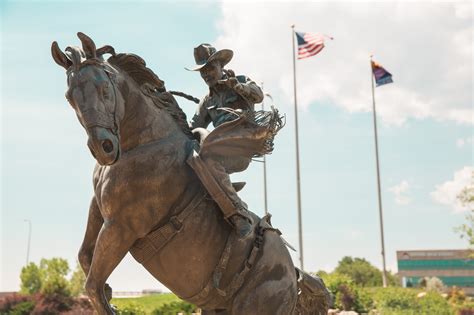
x: 244, y: 95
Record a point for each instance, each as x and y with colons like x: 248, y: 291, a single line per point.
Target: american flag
x: 309, y: 44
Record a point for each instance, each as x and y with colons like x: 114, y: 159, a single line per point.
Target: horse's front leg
x: 113, y: 242
x: 94, y: 223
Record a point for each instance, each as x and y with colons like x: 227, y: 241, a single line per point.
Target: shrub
x: 23, y: 308
x: 48, y: 278
x: 334, y: 280
x: 395, y: 299
x: 77, y: 281
x: 347, y: 295
x: 8, y: 303
x: 30, y: 279
x: 174, y: 308
x: 52, y: 304
x: 466, y: 309
x: 434, y: 303
x: 456, y: 296
x: 364, y: 301
x: 131, y: 309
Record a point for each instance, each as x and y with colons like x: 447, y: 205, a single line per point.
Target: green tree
x: 466, y: 197
x: 54, y: 273
x: 362, y: 272
x: 78, y: 279
x: 31, y: 279
x: 48, y: 278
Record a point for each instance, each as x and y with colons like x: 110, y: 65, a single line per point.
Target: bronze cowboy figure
x: 229, y: 97
x: 148, y: 201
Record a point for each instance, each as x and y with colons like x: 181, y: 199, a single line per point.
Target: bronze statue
x: 229, y: 96
x: 149, y: 201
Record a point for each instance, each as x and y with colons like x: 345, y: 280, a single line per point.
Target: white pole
x: 29, y: 242
x: 298, y: 190
x: 384, y: 271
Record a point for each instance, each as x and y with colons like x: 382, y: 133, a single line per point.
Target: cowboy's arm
x: 248, y: 89
x: 201, y: 118
x: 245, y: 87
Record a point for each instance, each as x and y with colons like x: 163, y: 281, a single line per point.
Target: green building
x: 453, y: 267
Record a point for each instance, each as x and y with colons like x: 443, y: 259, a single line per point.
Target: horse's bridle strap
x: 94, y: 118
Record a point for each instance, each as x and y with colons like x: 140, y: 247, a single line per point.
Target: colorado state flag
x: 381, y: 75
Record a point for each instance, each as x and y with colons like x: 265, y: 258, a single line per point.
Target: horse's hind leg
x: 270, y: 288
x: 94, y: 223
x: 269, y: 298
x: 113, y: 242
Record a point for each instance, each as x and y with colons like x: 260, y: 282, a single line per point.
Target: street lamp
x: 29, y: 241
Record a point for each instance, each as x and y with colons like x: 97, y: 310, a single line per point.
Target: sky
x: 424, y: 120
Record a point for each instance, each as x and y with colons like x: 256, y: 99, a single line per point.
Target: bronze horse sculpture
x: 149, y: 201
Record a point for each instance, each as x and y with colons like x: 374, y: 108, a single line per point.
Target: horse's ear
x: 88, y: 45
x: 107, y: 49
x: 60, y: 57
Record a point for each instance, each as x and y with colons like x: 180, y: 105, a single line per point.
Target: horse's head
x: 93, y: 94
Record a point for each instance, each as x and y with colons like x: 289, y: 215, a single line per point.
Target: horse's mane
x: 136, y: 68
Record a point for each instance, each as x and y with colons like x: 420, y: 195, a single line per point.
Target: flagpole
x: 264, y: 168
x: 298, y: 190
x: 384, y: 271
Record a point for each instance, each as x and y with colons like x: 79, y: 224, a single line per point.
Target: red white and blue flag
x: 309, y: 44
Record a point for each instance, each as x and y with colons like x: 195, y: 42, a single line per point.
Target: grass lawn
x: 148, y: 302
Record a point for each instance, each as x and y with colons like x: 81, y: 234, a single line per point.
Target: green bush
x: 23, y: 308
x: 334, y: 280
x: 174, y: 308
x: 48, y: 278
x: 30, y: 279
x: 347, y: 295
x: 434, y: 303
x: 131, y: 309
x: 395, y: 299
x: 456, y: 296
x: 365, y: 301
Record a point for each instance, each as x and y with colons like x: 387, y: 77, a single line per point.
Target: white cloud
x: 447, y: 192
x: 460, y: 143
x: 400, y: 192
x: 426, y: 46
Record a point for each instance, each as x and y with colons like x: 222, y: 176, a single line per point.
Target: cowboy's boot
x: 237, y: 215
x: 242, y: 225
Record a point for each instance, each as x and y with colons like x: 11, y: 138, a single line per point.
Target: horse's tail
x: 313, y: 296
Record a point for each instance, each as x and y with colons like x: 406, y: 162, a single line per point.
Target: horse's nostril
x: 108, y: 146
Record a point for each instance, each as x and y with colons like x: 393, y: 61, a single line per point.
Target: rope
x: 186, y: 96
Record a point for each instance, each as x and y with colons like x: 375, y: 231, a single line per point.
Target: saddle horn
x: 59, y: 57
x: 88, y: 45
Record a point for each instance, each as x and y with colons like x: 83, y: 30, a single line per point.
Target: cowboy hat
x: 205, y: 53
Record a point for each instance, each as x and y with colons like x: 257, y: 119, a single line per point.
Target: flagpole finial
x: 292, y: 25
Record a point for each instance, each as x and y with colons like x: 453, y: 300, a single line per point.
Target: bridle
x: 93, y: 118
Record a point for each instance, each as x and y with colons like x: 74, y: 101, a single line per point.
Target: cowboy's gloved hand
x: 230, y: 82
